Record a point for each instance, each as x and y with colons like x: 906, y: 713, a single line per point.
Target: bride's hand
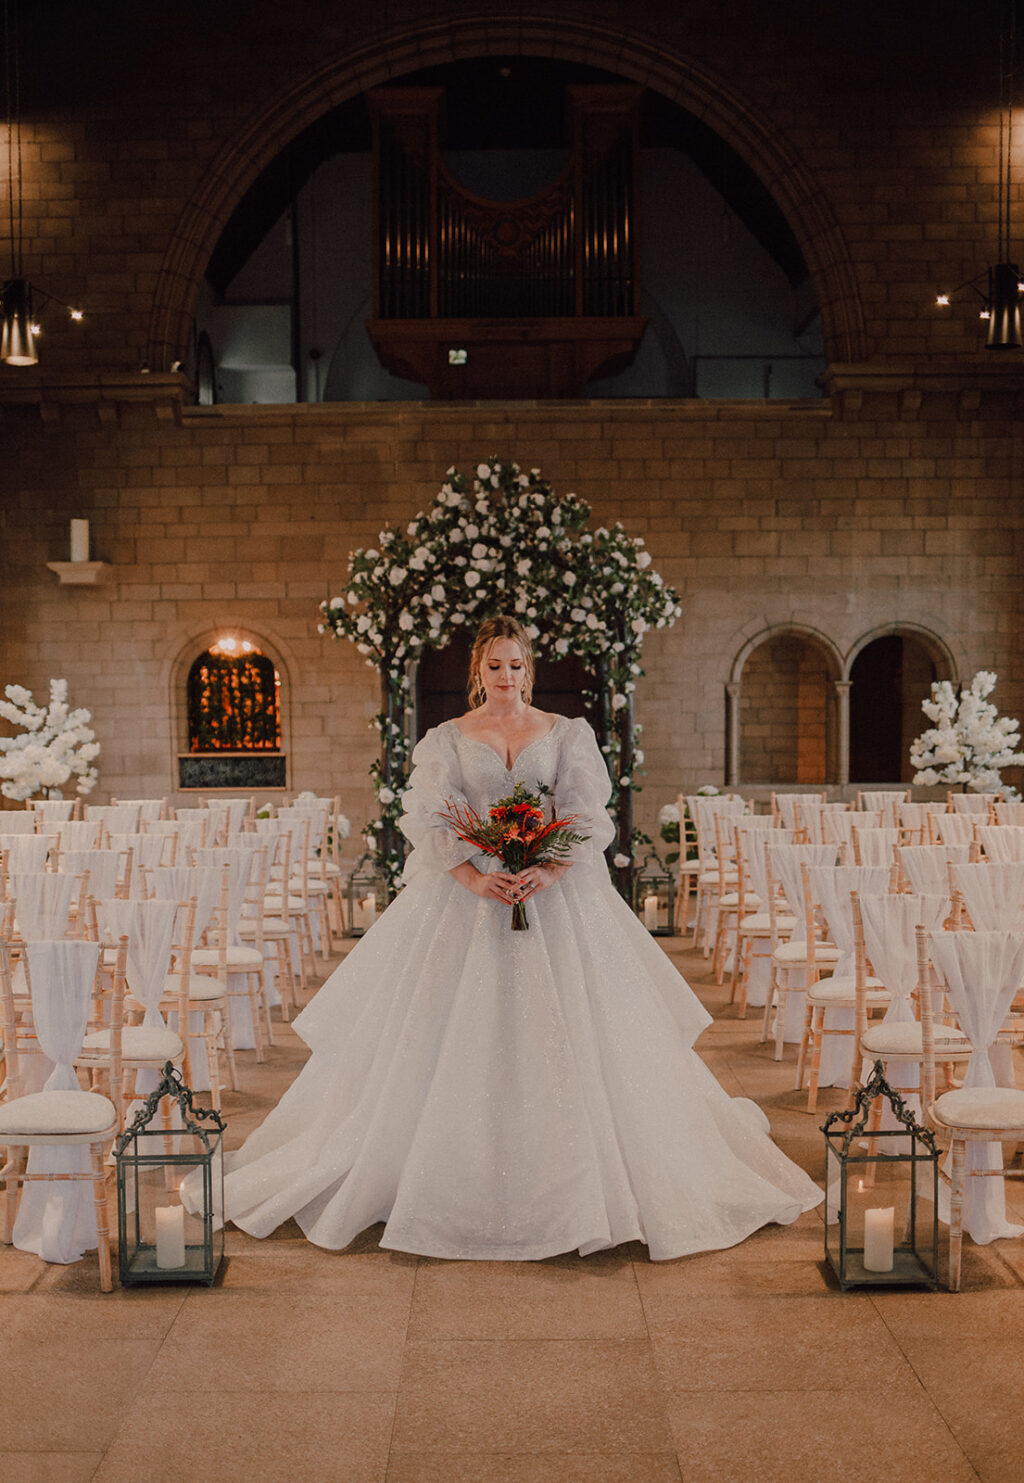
x: 538, y: 878
x: 496, y: 885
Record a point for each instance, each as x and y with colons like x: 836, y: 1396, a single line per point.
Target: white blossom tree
x: 501, y: 540
x: 968, y: 742
x: 55, y: 744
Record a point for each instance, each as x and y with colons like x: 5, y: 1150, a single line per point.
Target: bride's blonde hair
x: 502, y: 627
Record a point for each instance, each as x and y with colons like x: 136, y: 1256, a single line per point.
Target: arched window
x: 787, y: 713
x: 890, y: 678
x: 234, y: 700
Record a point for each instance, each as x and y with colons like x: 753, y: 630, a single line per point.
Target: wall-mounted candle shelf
x: 79, y: 573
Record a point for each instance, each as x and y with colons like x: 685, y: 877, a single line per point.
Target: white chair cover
x: 149, y: 808
x: 57, y: 1221
x: 226, y: 817
x: 837, y: 828
x: 926, y: 866
x: 116, y: 818
x: 913, y: 817
x: 954, y: 828
x: 54, y: 810
x: 886, y: 801
x: 23, y: 852
x: 786, y: 861
x: 972, y: 803
x: 239, y: 865
x: 787, y: 803
x: 17, y: 821
x: 702, y: 812
x: 104, y: 867
x: 831, y: 887
x: 875, y: 846
x: 42, y: 904
x: 993, y: 894
x: 1003, y: 842
x: 79, y: 834
x: 149, y: 851
x: 1010, y: 813
x: 983, y: 971
x: 149, y: 927
x: 182, y: 882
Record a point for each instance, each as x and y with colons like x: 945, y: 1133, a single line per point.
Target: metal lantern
x: 366, y: 895
x: 654, y: 896
x: 881, y: 1194
x: 159, y: 1239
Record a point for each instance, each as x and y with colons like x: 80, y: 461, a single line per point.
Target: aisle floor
x: 306, y: 1366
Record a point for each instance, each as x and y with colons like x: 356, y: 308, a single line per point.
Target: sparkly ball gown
x: 499, y: 1095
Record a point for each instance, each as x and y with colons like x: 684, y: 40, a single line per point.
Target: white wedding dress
x: 503, y: 1095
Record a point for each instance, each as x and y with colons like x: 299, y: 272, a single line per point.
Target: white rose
x: 471, y: 532
x: 437, y: 592
x: 483, y: 471
x: 569, y: 578
x: 472, y: 578
x: 618, y: 702
x: 397, y: 575
x: 479, y: 551
x: 625, y: 782
x: 621, y: 861
x: 386, y: 795
x: 643, y: 559
x: 543, y: 533
x: 523, y: 566
x: 406, y: 622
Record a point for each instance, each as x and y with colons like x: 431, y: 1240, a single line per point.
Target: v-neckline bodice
x: 477, y: 742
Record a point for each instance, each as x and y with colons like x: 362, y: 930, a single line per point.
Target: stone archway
x: 630, y: 55
x: 783, y: 709
x: 890, y: 672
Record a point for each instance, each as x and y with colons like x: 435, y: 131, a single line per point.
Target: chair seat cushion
x: 200, y: 986
x: 236, y: 958
x: 759, y: 924
x: 273, y: 903
x: 796, y: 952
x: 981, y: 1107
x: 53, y: 1113
x: 273, y: 928
x: 896, y: 1039
x: 323, y: 867
x: 843, y: 990
x: 313, y: 887
x: 712, y: 877
x: 138, y: 1042
x: 751, y: 900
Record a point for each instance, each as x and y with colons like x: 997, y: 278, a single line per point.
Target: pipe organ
x: 526, y: 298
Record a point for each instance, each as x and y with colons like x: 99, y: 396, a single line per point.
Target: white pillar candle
x: 650, y: 912
x: 878, y: 1239
x: 79, y: 540
x: 170, y: 1236
x: 370, y: 909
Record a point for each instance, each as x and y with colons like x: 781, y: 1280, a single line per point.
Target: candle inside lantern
x: 79, y: 540
x: 170, y: 1236
x: 370, y: 910
x: 650, y: 912
x: 878, y: 1239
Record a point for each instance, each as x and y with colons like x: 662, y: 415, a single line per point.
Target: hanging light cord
x: 1007, y: 67
x: 12, y: 89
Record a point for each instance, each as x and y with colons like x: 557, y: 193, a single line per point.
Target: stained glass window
x: 234, y: 700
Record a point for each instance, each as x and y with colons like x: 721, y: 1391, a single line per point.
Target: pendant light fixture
x: 1001, y: 287
x: 19, y: 327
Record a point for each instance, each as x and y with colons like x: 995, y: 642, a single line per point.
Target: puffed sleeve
x: 583, y: 787
x: 434, y: 782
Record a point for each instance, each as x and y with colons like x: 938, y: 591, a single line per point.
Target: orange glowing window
x: 234, y: 700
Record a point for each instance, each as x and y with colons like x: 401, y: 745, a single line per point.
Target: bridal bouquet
x: 516, y: 833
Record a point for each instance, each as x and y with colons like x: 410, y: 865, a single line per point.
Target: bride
x: 510, y: 1095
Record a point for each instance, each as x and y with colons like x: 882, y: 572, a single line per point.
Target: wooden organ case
x: 505, y: 299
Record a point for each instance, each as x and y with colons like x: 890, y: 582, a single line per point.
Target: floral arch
x: 501, y: 540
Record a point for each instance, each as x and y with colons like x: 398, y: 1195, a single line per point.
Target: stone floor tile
x: 526, y: 1300
x: 529, y: 1396
x: 136, y: 1313
x: 20, y: 1271
x: 558, y: 1467
x: 70, y: 1395
x: 269, y: 1342
x: 50, y: 1467
x: 991, y: 1315
x: 299, y: 1266
x: 976, y: 1384
x: 770, y: 1343
x: 251, y: 1437
x: 807, y: 1436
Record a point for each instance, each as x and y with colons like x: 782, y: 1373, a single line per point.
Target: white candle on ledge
x: 79, y: 540
x: 650, y: 912
x: 878, y: 1239
x: 170, y: 1236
